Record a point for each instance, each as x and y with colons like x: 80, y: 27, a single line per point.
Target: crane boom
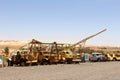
x: 84, y: 40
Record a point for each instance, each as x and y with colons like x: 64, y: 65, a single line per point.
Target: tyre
x: 98, y: 60
x: 114, y: 59
x: 23, y: 64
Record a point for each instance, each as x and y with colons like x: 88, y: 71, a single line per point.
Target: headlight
x: 63, y: 58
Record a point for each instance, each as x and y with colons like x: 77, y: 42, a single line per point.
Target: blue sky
x: 61, y: 20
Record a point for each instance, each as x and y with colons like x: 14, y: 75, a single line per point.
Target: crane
x: 68, y: 54
x: 85, y: 39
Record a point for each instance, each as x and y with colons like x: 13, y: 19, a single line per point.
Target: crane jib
x: 85, y: 39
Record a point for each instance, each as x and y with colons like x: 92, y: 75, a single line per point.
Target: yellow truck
x: 48, y: 58
x: 76, y: 58
x: 113, y: 56
x: 110, y: 56
x: 67, y: 56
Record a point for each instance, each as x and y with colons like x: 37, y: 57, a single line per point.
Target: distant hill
x: 12, y: 43
x: 105, y: 48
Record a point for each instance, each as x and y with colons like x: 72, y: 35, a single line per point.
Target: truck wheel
x: 99, y: 60
x: 23, y: 64
x: 114, y: 59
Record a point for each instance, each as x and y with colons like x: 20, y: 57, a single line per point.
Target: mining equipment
x: 70, y: 55
x: 113, y: 56
x: 48, y: 53
x: 38, y: 53
x: 28, y: 56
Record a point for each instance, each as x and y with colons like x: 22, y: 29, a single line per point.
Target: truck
x: 97, y: 57
x: 113, y: 56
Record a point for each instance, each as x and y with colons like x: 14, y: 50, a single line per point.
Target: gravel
x: 82, y: 71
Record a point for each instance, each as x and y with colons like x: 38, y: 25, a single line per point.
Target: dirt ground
x: 82, y: 71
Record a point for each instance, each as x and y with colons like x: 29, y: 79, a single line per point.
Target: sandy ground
x: 82, y: 71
